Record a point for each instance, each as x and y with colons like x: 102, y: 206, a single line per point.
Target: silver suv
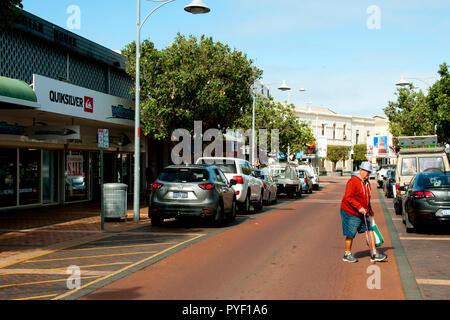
x: 248, y: 188
x: 192, y: 191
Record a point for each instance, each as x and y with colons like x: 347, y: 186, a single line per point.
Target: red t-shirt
x: 357, y: 196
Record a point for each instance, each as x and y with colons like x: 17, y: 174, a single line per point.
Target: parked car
x: 270, y: 187
x: 426, y: 200
x: 312, y: 172
x: 389, y: 183
x: 381, y: 174
x: 285, y: 176
x: 192, y: 191
x: 305, y: 178
x: 249, y: 189
x: 413, y: 160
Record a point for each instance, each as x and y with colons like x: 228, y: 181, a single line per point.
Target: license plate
x: 446, y: 212
x: 180, y: 195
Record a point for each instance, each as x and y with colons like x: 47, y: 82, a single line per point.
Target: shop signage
x: 51, y: 132
x: 322, y: 146
x: 103, y: 138
x: 74, y: 166
x: 74, y: 101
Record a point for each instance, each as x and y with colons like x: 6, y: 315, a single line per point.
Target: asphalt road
x: 291, y: 252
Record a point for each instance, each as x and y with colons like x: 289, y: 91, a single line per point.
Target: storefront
x: 48, y: 142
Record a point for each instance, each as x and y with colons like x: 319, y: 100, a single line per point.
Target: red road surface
x: 294, y: 252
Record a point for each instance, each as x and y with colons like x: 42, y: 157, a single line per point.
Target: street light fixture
x: 195, y: 7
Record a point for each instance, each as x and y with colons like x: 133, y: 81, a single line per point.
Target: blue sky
x: 323, y: 46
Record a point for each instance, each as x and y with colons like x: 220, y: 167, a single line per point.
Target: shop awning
x: 17, y: 93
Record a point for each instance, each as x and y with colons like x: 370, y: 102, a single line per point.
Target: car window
x: 434, y: 181
x: 409, y: 167
x: 224, y: 178
x: 227, y: 167
x: 184, y: 175
x: 218, y: 176
x: 431, y: 163
x: 245, y: 168
x: 411, y: 183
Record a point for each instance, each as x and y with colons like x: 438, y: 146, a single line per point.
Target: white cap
x: 366, y: 166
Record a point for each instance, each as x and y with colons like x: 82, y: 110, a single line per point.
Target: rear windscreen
x: 184, y: 175
x: 434, y: 181
x: 227, y: 168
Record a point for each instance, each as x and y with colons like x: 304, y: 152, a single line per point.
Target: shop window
x: 76, y: 176
x: 8, y: 177
x: 50, y: 176
x: 29, y: 176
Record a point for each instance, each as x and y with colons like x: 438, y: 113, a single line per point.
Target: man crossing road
x: 355, y: 207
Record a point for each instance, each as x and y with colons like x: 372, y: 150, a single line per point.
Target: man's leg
x: 348, y: 244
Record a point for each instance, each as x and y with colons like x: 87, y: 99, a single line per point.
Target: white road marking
x: 438, y: 282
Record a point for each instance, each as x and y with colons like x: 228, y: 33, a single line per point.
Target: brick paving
x: 28, y: 232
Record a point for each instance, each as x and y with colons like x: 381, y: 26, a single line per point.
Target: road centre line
x: 438, y: 282
x: 126, y: 268
x: 128, y: 240
x: 117, y: 247
x: 40, y: 282
x: 87, y: 257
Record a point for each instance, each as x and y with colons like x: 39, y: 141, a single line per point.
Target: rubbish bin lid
x: 115, y: 186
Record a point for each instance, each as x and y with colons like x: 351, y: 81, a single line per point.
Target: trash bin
x: 115, y: 200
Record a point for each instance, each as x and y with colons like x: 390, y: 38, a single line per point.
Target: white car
x: 312, y: 173
x: 249, y: 189
x: 380, y: 177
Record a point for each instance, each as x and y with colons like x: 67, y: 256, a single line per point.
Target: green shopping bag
x: 377, y: 234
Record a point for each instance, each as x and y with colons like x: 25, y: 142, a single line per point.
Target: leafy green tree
x: 337, y: 153
x: 191, y: 80
x: 438, y: 100
x: 293, y: 134
x: 359, y: 154
x: 409, y: 115
x: 9, y: 12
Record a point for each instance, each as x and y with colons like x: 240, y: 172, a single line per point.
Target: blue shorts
x: 352, y: 224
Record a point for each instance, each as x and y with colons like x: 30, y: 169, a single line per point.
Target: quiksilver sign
x: 87, y: 102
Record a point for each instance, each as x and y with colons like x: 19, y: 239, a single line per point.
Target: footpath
x: 30, y: 232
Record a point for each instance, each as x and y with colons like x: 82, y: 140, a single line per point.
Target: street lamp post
x: 195, y: 7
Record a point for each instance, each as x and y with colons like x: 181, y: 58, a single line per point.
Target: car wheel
x: 409, y: 226
x: 233, y: 210
x: 157, y: 221
x: 219, y: 217
x: 258, y: 206
x: 245, y: 207
x: 275, y: 199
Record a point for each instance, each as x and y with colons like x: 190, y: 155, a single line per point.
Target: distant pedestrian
x: 355, y: 208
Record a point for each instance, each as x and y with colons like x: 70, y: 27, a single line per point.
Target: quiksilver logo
x: 64, y: 98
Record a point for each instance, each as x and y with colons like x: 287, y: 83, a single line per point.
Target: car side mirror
x: 233, y: 182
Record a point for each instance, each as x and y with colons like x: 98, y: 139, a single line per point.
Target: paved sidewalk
x: 29, y: 232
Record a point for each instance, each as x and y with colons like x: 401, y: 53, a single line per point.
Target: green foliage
x: 438, y: 100
x: 9, y: 12
x: 275, y: 115
x: 359, y: 152
x: 337, y: 153
x: 415, y: 113
x: 409, y: 115
x: 191, y: 80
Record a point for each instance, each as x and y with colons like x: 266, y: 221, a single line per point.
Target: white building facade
x: 340, y: 130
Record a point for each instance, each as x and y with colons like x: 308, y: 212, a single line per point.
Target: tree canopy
x: 191, y: 80
x: 337, y: 153
x: 293, y: 134
x: 415, y: 113
x: 9, y: 11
